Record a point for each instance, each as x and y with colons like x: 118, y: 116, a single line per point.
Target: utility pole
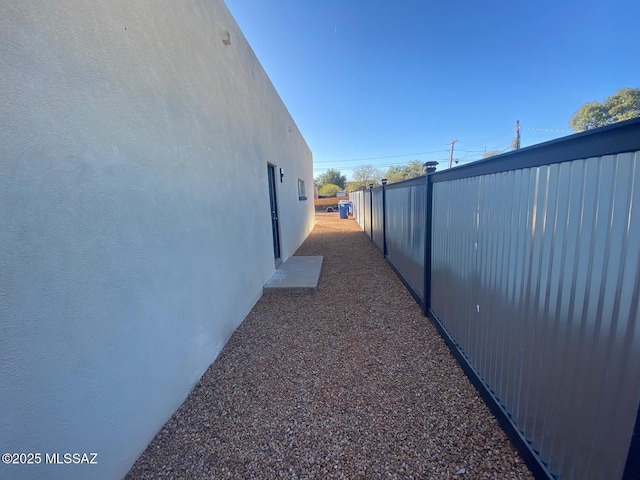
x: 516, y: 145
x: 452, y: 143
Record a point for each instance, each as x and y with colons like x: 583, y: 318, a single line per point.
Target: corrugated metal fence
x: 534, y: 281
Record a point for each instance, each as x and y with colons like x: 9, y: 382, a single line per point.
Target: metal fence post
x: 632, y: 467
x: 429, y: 168
x: 371, y: 210
x: 384, y: 219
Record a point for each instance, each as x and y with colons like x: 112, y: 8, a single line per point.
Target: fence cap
x: 430, y: 167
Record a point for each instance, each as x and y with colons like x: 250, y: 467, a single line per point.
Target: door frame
x: 273, y: 208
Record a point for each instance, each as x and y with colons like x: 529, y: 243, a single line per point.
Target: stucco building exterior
x: 136, y: 227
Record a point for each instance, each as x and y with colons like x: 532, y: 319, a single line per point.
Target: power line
x: 343, y: 163
x: 469, y: 143
x: 483, y: 142
x: 468, y: 151
x: 380, y: 166
x: 545, y: 130
x: 377, y: 158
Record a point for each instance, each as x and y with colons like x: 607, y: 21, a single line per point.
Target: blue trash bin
x: 344, y: 211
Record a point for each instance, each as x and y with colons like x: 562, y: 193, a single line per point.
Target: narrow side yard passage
x: 348, y: 382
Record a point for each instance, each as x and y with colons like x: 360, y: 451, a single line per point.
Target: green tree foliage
x: 622, y: 105
x: 332, y: 177
x: 591, y: 115
x: 414, y: 169
x: 405, y: 172
x: 394, y: 174
x: 491, y: 153
x: 363, y: 176
x: 354, y: 186
x: 328, y: 190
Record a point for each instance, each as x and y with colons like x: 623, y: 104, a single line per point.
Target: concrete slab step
x: 296, y: 275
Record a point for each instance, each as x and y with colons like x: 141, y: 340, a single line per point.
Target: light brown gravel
x: 349, y: 382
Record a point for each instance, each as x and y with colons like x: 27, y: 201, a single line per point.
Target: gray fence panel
x: 366, y: 211
x: 453, y: 262
x: 358, y: 207
x: 361, y: 210
x: 536, y: 275
x: 378, y: 234
x: 405, y: 221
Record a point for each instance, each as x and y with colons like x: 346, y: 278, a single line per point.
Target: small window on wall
x: 301, y: 193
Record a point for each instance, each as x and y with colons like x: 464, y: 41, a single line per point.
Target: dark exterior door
x: 274, y: 210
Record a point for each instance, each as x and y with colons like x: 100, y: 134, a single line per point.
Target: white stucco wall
x: 135, y: 229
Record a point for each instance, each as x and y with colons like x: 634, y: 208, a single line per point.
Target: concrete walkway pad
x: 296, y: 275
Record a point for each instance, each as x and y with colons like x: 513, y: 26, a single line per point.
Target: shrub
x: 328, y: 190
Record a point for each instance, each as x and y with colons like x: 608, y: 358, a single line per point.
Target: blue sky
x: 365, y: 79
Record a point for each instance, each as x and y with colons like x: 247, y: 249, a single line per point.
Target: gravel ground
x: 349, y: 382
